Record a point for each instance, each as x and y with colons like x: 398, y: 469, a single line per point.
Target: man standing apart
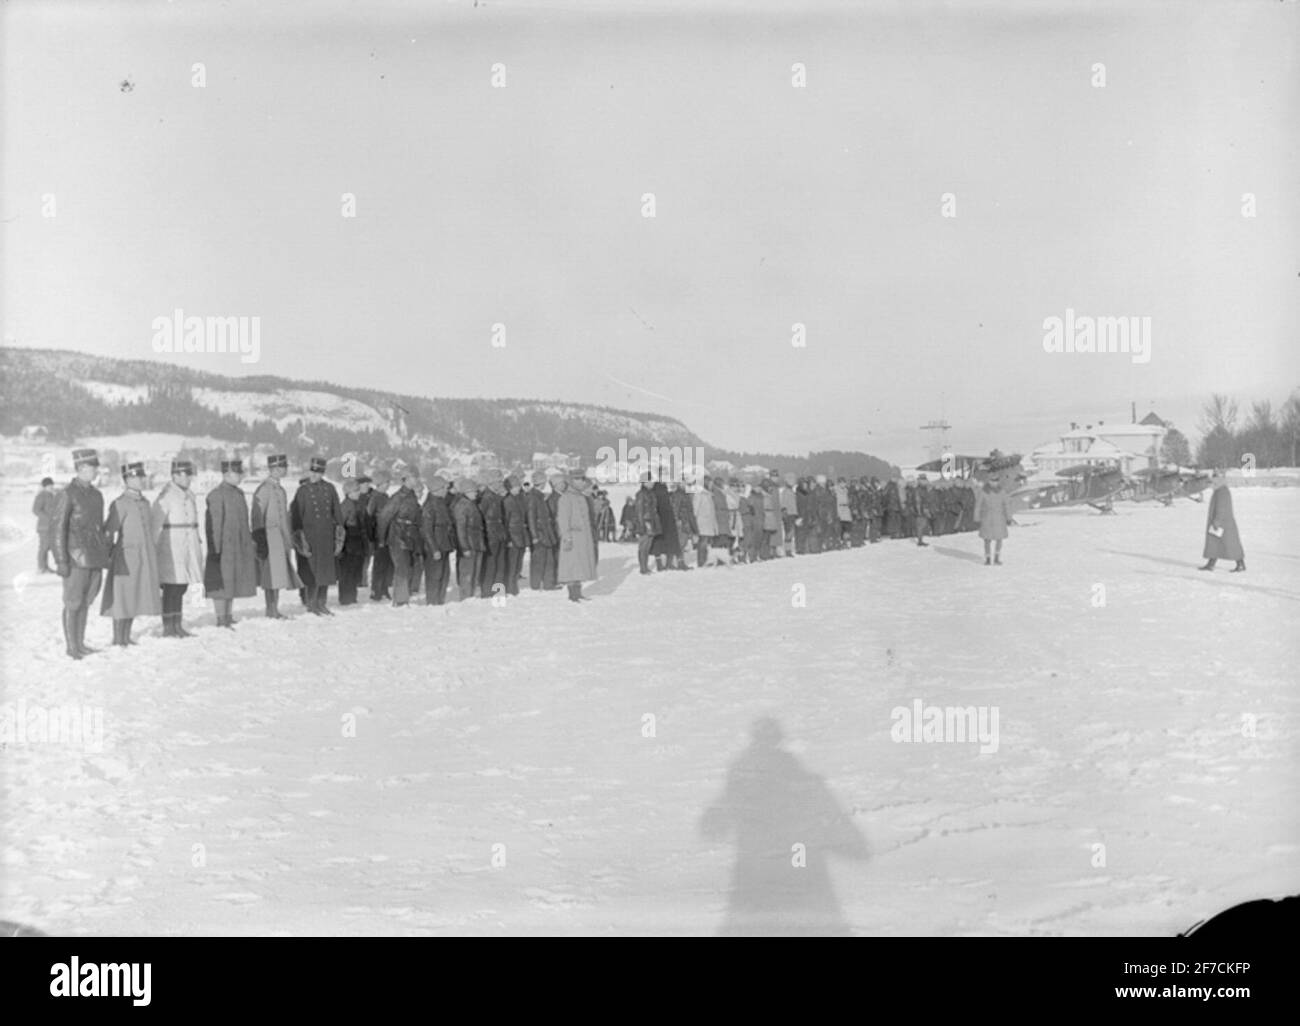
x: 179, y: 545
x: 80, y: 548
x: 43, y: 508
x: 273, y: 536
x: 231, y: 570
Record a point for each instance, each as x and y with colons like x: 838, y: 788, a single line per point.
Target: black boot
x: 117, y: 634
x: 70, y: 636
x: 168, y: 619
x: 575, y: 592
x: 1240, y: 568
x: 1209, y: 565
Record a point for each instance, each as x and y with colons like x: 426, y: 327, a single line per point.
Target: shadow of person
x: 785, y: 824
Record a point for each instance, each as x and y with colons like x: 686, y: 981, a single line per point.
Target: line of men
x: 785, y: 516
x: 146, y: 555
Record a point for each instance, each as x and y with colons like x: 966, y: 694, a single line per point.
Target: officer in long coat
x: 1222, y: 540
x: 667, y: 547
x: 179, y: 544
x: 316, y: 517
x: 993, y: 514
x: 542, y: 538
x: 470, y: 542
x: 577, y: 557
x: 231, y: 570
x: 273, y: 536
x: 80, y: 548
x: 439, y: 535
x: 132, y: 587
x: 706, y: 519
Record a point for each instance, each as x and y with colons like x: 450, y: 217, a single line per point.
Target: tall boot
x: 117, y: 634
x: 126, y: 631
x: 1209, y: 565
x: 575, y: 591
x: 1239, y: 568
x: 167, y: 621
x: 80, y: 616
x: 70, y: 634
x: 322, y: 600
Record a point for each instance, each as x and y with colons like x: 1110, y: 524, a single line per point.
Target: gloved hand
x: 260, y: 542
x: 63, y: 570
x: 339, y: 535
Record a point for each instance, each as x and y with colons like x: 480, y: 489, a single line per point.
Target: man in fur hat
x: 399, y: 530
x: 231, y: 570
x: 273, y: 536
x: 516, y: 518
x: 179, y: 545
x: 542, y: 538
x: 470, y: 541
x: 490, y: 504
x: 352, y: 560
x: 316, y: 517
x: 80, y: 548
x: 439, y: 534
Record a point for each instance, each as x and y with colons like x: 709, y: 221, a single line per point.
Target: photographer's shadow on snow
x: 786, y: 825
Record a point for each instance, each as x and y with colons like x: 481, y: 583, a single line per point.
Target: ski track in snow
x: 354, y: 775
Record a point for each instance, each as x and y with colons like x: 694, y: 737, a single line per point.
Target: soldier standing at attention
x: 399, y: 530
x: 439, y: 533
x: 42, y: 508
x: 231, y: 570
x: 352, y: 561
x: 541, y: 535
x: 470, y: 541
x: 179, y: 545
x: 132, y: 588
x: 317, y: 521
x: 516, y: 516
x: 80, y: 548
x: 273, y: 536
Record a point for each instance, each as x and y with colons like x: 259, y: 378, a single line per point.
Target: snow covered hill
x: 484, y: 770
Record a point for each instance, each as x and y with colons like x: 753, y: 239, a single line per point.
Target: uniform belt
x: 174, y: 527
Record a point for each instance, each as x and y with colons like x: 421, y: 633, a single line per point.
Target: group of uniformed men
x: 784, y: 516
x: 153, y: 552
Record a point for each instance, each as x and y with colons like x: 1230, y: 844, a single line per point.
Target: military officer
x: 80, y: 548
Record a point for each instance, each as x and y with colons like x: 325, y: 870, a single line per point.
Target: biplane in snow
x: 1165, y: 484
x: 1087, y: 484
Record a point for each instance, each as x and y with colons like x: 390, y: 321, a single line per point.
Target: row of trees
x: 1271, y: 437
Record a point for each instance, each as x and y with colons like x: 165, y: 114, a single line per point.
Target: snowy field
x: 482, y: 770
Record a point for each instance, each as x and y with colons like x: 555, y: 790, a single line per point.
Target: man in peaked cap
x: 180, y: 545
x: 231, y: 570
x: 316, y: 516
x: 80, y: 548
x: 273, y: 536
x: 132, y: 584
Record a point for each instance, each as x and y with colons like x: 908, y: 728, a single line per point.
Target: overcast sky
x: 774, y: 204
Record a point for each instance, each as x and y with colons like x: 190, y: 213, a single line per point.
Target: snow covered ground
x: 483, y: 770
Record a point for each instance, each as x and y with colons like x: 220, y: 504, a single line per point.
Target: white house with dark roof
x: 1130, y: 446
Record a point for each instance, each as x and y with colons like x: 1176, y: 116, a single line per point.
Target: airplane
x: 1085, y: 484
x: 1169, y: 483
x: 995, y: 464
